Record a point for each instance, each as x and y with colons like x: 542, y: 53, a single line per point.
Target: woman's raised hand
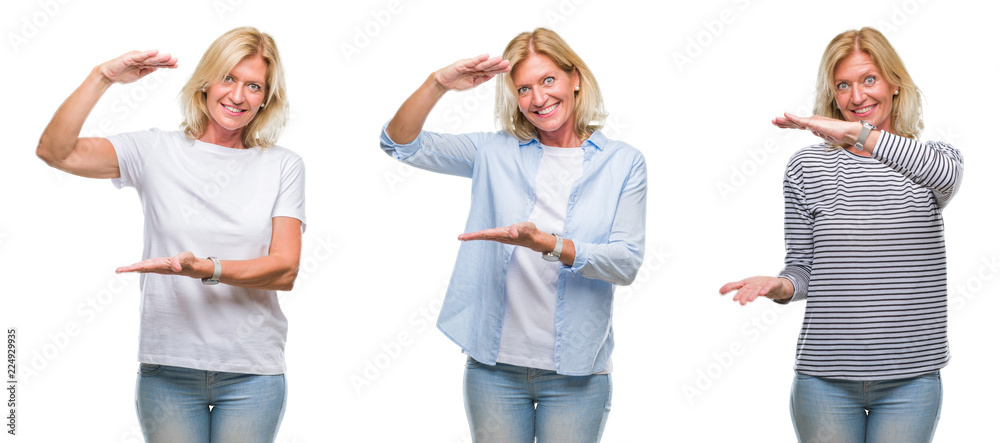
x: 835, y: 132
x: 409, y: 120
x: 471, y: 72
x: 134, y: 65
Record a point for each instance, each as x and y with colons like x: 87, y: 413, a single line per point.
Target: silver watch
x: 866, y: 128
x: 554, y: 255
x: 214, y: 279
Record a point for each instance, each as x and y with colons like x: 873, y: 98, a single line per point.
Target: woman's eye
x: 870, y: 80
x: 254, y: 87
x: 549, y: 80
x: 522, y: 90
x: 227, y: 79
x: 842, y: 86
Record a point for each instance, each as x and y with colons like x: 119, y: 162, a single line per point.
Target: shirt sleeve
x: 799, y: 223
x: 445, y: 153
x: 291, y: 200
x: 937, y: 166
x: 618, y: 261
x: 130, y: 148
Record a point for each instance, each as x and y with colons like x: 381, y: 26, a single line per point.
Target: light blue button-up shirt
x: 606, y: 219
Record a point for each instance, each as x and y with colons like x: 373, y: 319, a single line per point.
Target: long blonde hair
x: 907, y: 119
x: 220, y: 58
x: 589, y: 111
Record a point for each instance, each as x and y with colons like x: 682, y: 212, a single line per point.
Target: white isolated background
x: 689, y: 365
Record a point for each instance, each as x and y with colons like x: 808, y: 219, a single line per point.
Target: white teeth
x: 232, y: 109
x: 547, y: 110
x: 864, y: 110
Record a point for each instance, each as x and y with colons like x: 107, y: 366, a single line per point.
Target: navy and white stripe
x: 864, y: 241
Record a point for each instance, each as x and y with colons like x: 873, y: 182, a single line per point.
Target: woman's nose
x: 858, y: 95
x: 537, y: 97
x: 236, y: 94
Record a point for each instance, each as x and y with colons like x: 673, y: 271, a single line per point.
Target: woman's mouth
x: 233, y: 110
x: 547, y: 110
x: 864, y: 111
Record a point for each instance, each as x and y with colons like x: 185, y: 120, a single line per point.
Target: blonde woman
x: 864, y: 238
x: 557, y: 222
x: 224, y: 213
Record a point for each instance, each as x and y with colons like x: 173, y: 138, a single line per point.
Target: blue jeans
x: 829, y: 410
x: 188, y: 405
x: 507, y: 403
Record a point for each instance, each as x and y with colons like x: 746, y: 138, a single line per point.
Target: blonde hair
x: 907, y: 119
x: 220, y: 58
x: 588, y: 114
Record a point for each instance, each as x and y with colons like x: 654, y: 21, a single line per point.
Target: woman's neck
x: 223, y: 137
x: 564, y: 138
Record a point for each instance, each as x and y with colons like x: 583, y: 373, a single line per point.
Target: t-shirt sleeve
x: 291, y: 201
x: 129, y: 148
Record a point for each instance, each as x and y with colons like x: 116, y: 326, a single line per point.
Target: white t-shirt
x: 212, y: 201
x: 528, y: 336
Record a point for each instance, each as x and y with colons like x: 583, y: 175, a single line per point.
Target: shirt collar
x: 597, y: 140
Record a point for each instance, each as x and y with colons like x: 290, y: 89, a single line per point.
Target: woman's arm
x: 61, y: 146
x: 403, y: 137
x: 409, y: 120
x: 936, y: 166
x: 276, y: 270
x: 792, y: 282
x: 617, y: 261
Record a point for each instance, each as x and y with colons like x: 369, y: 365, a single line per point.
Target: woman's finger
x: 175, y: 264
x: 730, y: 287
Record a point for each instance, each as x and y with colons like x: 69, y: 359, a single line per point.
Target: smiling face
x: 234, y: 100
x: 862, y: 92
x: 546, y: 97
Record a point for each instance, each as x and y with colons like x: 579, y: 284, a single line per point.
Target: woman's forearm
x: 267, y: 272
x: 409, y: 120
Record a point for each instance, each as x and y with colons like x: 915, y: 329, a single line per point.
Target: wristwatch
x: 866, y: 128
x: 214, y: 279
x: 554, y: 255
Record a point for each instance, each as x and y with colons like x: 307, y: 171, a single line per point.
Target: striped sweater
x: 864, y: 242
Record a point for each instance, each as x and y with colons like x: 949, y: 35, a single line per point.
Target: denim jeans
x: 506, y: 403
x: 188, y: 405
x: 845, y: 411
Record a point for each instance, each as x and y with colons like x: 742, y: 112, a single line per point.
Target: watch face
x: 549, y: 257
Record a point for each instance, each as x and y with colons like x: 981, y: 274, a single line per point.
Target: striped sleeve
x: 935, y: 165
x: 798, y: 233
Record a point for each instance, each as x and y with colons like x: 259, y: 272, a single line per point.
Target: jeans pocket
x: 472, y: 363
x: 803, y: 377
x: 149, y: 369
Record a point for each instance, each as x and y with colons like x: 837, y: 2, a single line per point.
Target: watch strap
x: 554, y: 255
x: 866, y: 128
x: 559, y: 245
x: 216, y: 275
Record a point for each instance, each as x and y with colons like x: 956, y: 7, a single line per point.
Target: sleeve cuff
x: 397, y: 150
x: 800, y: 281
x: 582, y: 255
